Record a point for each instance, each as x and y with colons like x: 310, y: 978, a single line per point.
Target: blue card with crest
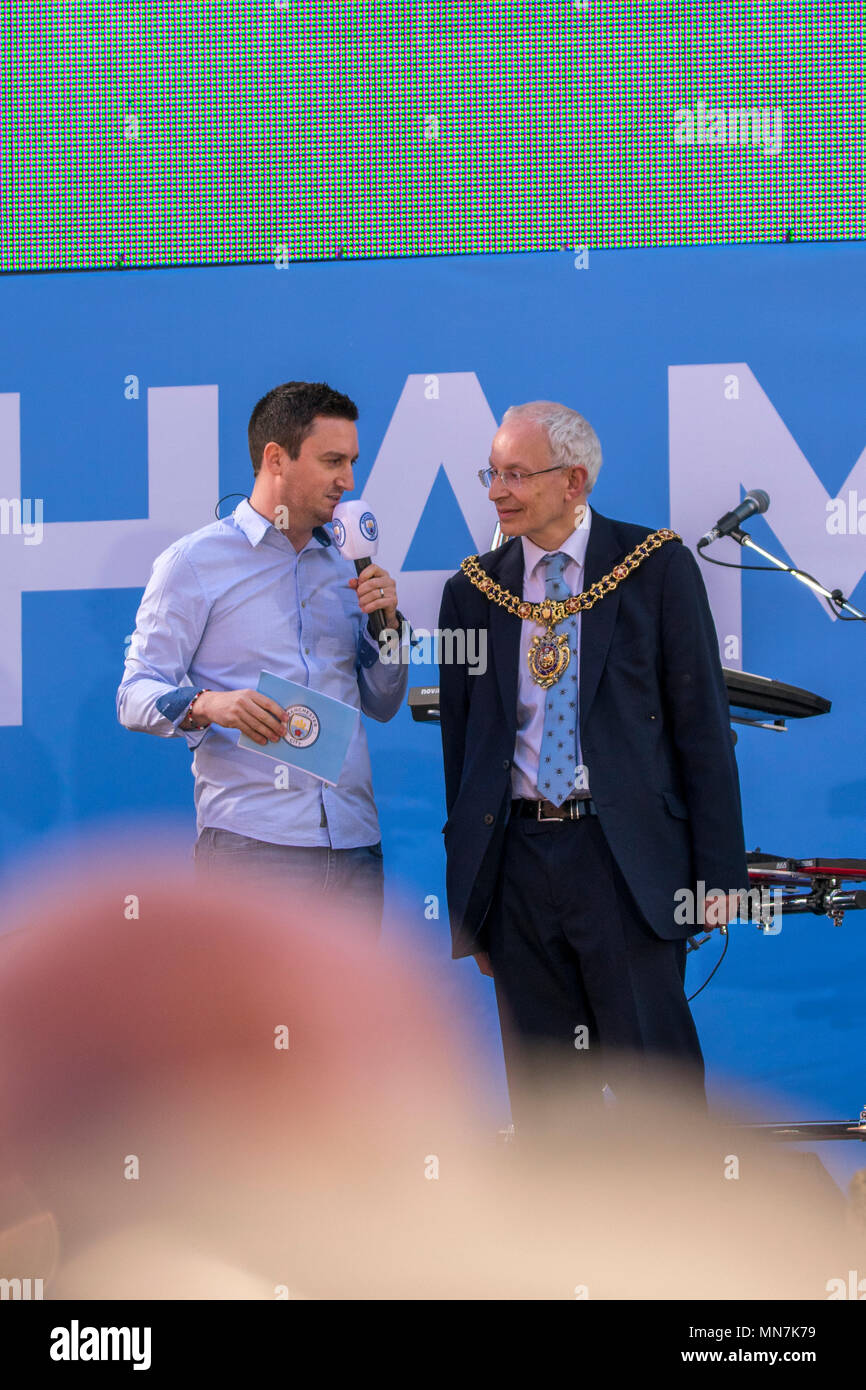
x: 319, y: 733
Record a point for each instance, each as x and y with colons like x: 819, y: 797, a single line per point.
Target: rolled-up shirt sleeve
x: 156, y: 689
x: 383, y: 683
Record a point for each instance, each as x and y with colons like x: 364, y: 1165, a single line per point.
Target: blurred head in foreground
x: 209, y: 1092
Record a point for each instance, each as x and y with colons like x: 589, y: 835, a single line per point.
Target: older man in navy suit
x: 589, y: 771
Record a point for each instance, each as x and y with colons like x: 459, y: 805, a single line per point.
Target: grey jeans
x: 357, y: 874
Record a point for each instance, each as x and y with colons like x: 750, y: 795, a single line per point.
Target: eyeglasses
x: 510, y: 477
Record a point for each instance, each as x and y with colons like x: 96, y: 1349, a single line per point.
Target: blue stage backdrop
x: 124, y: 400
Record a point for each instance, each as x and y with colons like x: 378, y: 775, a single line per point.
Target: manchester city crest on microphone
x: 369, y: 526
x: 303, y: 727
x: 339, y: 533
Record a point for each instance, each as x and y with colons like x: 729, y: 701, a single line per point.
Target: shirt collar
x: 255, y: 526
x: 573, y: 545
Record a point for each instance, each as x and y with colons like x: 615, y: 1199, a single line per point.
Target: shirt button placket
x: 302, y: 614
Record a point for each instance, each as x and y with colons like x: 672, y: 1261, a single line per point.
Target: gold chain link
x: 551, y: 612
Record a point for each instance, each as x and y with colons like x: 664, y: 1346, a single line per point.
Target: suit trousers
x: 589, y: 997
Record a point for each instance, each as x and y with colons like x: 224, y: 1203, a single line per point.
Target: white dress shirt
x: 531, y: 697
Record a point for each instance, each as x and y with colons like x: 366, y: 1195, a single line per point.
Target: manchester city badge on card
x: 319, y: 731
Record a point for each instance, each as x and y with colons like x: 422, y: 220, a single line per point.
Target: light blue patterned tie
x: 558, y: 757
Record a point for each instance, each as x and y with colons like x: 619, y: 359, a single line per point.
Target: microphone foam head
x: 356, y: 530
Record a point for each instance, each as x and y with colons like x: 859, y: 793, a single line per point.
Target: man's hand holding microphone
x: 356, y: 534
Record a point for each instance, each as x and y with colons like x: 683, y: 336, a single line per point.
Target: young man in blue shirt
x: 267, y: 589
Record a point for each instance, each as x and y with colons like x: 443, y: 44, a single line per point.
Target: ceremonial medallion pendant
x: 548, y: 657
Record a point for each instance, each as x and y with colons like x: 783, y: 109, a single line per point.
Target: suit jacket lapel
x: 507, y: 568
x: 596, y: 625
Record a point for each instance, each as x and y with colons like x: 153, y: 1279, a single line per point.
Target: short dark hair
x: 286, y: 415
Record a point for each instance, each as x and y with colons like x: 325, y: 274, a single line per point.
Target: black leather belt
x: 545, y: 810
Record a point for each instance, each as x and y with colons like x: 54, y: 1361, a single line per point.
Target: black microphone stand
x: 835, y: 597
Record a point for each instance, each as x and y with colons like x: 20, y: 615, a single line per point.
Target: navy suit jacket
x: 654, y: 729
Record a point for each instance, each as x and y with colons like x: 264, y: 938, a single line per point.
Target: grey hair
x: 572, y: 439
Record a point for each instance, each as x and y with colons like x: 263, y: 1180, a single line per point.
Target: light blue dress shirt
x: 222, y: 605
x: 531, y: 697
